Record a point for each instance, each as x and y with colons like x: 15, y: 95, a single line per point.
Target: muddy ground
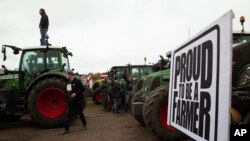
x: 102, y: 126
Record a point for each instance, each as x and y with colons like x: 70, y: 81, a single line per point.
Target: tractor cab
x: 239, y: 37
x: 36, y: 61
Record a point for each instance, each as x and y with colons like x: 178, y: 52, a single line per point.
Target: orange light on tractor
x: 242, y: 19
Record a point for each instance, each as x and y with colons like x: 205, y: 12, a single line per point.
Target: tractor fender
x: 45, y: 75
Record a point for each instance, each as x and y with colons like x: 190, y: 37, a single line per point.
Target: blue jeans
x: 105, y: 101
x: 116, y: 104
x: 43, y: 32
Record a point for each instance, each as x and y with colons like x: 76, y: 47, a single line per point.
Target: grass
x: 93, y: 105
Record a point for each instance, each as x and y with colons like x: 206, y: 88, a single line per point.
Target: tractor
x: 117, y: 72
x: 150, y: 106
x: 37, y: 87
x: 137, y: 87
x: 240, y: 111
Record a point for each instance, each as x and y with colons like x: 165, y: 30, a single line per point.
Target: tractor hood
x: 8, y: 81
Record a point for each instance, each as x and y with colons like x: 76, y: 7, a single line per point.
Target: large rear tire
x: 138, y: 98
x: 47, y: 102
x: 97, y: 97
x: 155, y: 115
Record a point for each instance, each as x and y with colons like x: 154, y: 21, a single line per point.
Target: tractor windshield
x: 118, y: 72
x: 146, y: 70
x: 36, y: 61
x: 240, y: 38
x: 135, y: 71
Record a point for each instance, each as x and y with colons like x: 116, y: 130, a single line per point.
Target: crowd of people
x: 115, y: 95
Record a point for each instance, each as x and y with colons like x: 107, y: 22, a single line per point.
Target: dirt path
x: 102, y: 126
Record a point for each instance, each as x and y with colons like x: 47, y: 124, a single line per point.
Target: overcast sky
x: 104, y: 33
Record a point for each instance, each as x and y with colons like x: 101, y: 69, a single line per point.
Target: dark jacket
x: 78, y: 89
x: 116, y: 90
x: 128, y: 82
x: 104, y: 87
x: 44, y: 22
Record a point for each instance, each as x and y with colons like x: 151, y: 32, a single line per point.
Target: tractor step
x: 137, y: 108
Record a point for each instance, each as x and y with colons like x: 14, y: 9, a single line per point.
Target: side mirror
x: 70, y: 54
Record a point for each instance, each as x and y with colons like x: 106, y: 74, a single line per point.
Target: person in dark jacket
x: 44, y: 26
x: 75, y: 101
x: 116, y: 93
x: 105, y: 95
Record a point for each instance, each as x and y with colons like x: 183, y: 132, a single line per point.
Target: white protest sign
x: 200, y: 86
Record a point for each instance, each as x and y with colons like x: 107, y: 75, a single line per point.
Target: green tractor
x: 150, y: 106
x: 38, y: 87
x: 137, y: 87
x: 116, y: 73
x: 240, y: 111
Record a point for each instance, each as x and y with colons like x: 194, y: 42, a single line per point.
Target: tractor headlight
x: 245, y: 77
x: 247, y: 73
x: 243, y: 81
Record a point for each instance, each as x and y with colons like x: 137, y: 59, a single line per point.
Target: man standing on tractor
x: 44, y: 26
x: 75, y: 101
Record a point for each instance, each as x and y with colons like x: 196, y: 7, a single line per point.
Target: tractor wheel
x: 138, y: 98
x: 47, y: 102
x: 96, y: 93
x: 155, y: 115
x: 97, y: 97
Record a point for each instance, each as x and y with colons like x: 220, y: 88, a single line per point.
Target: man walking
x: 75, y: 101
x: 44, y: 26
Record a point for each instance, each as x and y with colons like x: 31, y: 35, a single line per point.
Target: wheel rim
x: 51, y: 102
x: 164, y: 117
x: 98, y: 97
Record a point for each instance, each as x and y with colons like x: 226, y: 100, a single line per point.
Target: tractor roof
x: 41, y: 47
x: 240, y: 32
x: 132, y: 66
